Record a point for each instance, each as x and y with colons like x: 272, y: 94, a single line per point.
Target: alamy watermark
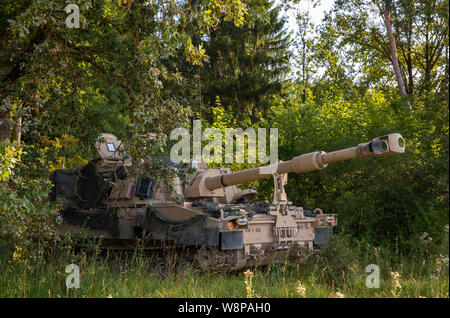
x: 228, y: 147
x: 73, y: 19
x: 373, y: 279
x: 73, y: 280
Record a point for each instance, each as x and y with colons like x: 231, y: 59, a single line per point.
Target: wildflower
x: 377, y: 249
x: 248, y: 274
x: 300, y: 289
x: 426, y: 238
x: 395, y: 275
x: 446, y: 228
x: 443, y: 259
x: 340, y: 295
x: 248, y: 283
x: 110, y: 296
x: 396, y: 279
x: 438, y: 265
x: 424, y: 235
x: 248, y: 289
x: 18, y: 254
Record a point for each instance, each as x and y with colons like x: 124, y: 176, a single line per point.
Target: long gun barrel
x: 379, y: 147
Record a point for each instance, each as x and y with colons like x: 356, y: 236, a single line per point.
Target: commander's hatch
x: 110, y: 151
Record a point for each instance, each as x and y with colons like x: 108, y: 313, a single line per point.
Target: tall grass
x: 338, y: 271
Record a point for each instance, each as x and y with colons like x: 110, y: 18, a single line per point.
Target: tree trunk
x: 303, y: 71
x: 11, y: 74
x: 395, y: 64
x: 5, y: 128
x: 17, y: 131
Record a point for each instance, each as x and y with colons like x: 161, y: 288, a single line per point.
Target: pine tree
x: 246, y: 65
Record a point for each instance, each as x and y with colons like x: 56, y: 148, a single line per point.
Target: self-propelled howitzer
x: 204, y: 218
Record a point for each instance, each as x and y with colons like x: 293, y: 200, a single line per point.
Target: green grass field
x: 339, y: 271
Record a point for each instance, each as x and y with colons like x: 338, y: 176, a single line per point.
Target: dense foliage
x: 137, y: 66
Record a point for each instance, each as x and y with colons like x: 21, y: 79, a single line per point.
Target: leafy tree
x: 113, y: 65
x: 420, y: 29
x: 306, y: 48
x: 64, y: 84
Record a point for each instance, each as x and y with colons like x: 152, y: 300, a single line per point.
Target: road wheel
x: 184, y: 266
x: 161, y: 267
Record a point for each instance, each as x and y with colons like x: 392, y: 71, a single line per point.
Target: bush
x: 338, y: 260
x: 27, y: 221
x: 385, y: 201
x: 27, y: 218
x: 9, y: 157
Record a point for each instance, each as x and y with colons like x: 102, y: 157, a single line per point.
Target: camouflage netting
x: 189, y: 232
x: 103, y: 219
x: 309, y: 213
x: 213, y: 208
x: 167, y: 162
x: 80, y: 188
x: 322, y: 235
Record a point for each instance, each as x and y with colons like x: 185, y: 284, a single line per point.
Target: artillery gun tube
x: 380, y: 146
x: 304, y: 163
x: 238, y: 177
x: 361, y: 151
